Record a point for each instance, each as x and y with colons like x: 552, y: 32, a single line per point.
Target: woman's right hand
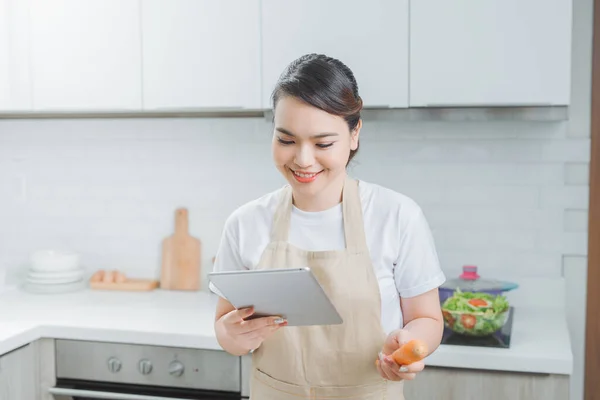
x: 249, y: 334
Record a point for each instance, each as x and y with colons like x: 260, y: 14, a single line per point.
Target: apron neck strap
x: 354, y: 230
x: 354, y: 227
x: 283, y: 214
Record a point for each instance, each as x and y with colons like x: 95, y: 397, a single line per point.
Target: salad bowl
x: 475, y: 313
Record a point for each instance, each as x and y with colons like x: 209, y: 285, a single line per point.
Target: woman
x: 372, y: 244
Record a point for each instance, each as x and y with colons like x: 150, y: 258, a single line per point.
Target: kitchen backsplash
x: 510, y: 197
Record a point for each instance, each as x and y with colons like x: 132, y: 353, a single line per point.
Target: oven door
x: 73, y: 389
x: 123, y: 371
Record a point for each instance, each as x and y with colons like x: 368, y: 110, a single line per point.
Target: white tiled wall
x: 510, y: 197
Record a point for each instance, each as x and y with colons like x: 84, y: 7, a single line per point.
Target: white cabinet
x: 455, y: 383
x: 17, y: 375
x: 86, y: 55
x: 200, y: 54
x: 371, y: 37
x: 132, y: 55
x: 15, y: 88
x: 473, y: 52
x: 5, y: 58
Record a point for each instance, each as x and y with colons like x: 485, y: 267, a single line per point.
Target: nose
x: 304, y: 156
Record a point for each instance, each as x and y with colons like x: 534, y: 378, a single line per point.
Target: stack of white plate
x: 53, y: 271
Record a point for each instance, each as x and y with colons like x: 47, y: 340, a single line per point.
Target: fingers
x: 402, y: 336
x: 390, y: 368
x: 414, y: 367
x: 392, y: 371
x: 395, y: 339
x: 236, y: 321
x: 249, y: 334
x: 237, y: 316
x: 260, y: 323
x: 255, y: 338
x: 384, y: 373
x: 262, y: 333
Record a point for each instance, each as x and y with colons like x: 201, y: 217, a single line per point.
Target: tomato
x: 478, y: 302
x: 468, y: 321
x: 449, y: 318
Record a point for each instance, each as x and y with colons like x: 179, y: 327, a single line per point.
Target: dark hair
x: 324, y: 83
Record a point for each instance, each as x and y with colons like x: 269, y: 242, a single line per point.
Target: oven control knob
x: 145, y: 366
x: 176, y: 368
x: 114, y: 364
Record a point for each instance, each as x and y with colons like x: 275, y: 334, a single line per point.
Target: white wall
x: 510, y: 197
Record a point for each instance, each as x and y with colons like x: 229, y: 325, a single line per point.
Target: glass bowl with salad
x: 475, y: 314
x: 475, y: 307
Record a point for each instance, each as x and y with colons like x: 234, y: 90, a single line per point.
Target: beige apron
x: 326, y: 362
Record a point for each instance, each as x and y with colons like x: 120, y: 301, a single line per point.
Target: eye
x: 324, y: 145
x: 285, y: 142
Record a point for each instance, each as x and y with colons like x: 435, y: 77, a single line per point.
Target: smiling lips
x: 305, y: 177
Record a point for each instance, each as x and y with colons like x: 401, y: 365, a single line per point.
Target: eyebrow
x: 320, y: 135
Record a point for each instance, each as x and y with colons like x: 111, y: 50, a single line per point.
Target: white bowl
x: 53, y: 260
x: 41, y: 275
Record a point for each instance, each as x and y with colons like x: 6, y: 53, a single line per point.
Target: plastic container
x: 470, y: 281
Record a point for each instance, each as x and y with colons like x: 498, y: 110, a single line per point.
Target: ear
x: 354, y: 136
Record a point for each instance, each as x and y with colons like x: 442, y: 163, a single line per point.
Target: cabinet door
x: 454, y: 383
x: 15, y: 86
x: 5, y: 75
x: 17, y: 375
x: 200, y: 54
x: 86, y: 55
x: 471, y: 52
x: 370, y: 37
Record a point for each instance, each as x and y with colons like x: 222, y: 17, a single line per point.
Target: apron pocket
x: 384, y: 390
x: 265, y: 387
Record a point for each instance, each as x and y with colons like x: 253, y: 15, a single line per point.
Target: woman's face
x: 311, y: 149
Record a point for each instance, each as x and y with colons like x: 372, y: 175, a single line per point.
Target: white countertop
x: 540, y: 339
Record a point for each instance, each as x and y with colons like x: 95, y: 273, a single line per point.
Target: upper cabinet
x: 86, y: 55
x: 370, y: 37
x: 200, y: 54
x: 191, y: 55
x: 15, y: 85
x: 490, y: 53
x: 5, y: 57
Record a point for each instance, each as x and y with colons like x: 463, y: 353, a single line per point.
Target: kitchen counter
x: 540, y: 339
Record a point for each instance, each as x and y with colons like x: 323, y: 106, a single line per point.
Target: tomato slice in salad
x: 468, y: 321
x: 478, y: 302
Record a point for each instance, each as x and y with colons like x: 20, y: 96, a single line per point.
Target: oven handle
x: 93, y: 394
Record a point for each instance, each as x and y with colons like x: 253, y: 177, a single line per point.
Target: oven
x: 87, y: 370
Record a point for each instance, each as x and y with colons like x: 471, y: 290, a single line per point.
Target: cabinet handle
x: 92, y: 394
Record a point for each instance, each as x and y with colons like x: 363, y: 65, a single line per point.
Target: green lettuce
x: 460, y: 302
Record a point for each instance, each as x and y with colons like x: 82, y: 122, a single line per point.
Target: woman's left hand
x: 386, y: 365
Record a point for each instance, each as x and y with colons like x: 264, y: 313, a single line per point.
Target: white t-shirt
x: 398, y: 236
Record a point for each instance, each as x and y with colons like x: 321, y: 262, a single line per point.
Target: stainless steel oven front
x: 88, y: 370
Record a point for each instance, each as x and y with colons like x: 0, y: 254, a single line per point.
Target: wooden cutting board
x: 180, y: 268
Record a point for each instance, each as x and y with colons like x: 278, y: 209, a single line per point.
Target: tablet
x: 294, y: 294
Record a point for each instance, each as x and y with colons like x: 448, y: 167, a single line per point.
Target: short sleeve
x: 228, y: 256
x: 417, y: 267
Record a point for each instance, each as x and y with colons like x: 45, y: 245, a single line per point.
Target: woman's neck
x: 330, y: 196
